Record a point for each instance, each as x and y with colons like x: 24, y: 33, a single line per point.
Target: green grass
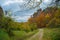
x: 51, y: 34
x: 3, y: 35
x: 22, y: 35
x: 18, y: 35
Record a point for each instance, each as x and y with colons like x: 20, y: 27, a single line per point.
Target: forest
x: 48, y: 20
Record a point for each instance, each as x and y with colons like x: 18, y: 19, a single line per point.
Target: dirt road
x: 37, y: 36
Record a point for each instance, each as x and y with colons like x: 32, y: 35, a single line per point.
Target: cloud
x: 45, y: 4
x: 19, y: 18
x: 25, y: 15
x: 47, y: 1
x: 12, y: 1
x: 38, y: 0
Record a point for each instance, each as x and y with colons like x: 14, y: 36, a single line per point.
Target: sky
x: 16, y: 7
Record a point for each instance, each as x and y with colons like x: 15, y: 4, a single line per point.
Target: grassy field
x: 3, y: 35
x: 51, y: 34
x: 18, y: 35
x: 22, y: 35
x: 48, y: 34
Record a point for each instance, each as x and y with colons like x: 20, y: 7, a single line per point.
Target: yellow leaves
x: 47, y: 16
x: 26, y: 26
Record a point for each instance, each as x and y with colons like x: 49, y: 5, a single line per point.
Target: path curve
x: 37, y: 36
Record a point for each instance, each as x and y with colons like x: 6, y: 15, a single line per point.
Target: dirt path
x: 37, y: 36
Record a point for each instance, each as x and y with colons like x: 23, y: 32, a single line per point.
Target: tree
x: 5, y: 23
x: 1, y: 12
x: 54, y: 22
x: 42, y: 18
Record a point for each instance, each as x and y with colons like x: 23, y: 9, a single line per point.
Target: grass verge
x: 51, y: 34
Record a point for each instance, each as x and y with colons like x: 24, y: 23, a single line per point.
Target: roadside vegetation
x: 11, y: 30
x: 51, y: 34
x: 48, y: 20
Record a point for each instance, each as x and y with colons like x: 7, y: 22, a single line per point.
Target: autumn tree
x: 42, y: 18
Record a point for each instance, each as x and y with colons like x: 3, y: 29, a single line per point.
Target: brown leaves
x: 44, y: 16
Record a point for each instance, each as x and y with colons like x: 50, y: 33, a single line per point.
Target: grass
x: 51, y: 34
x: 3, y: 35
x: 18, y: 35
x: 22, y: 35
